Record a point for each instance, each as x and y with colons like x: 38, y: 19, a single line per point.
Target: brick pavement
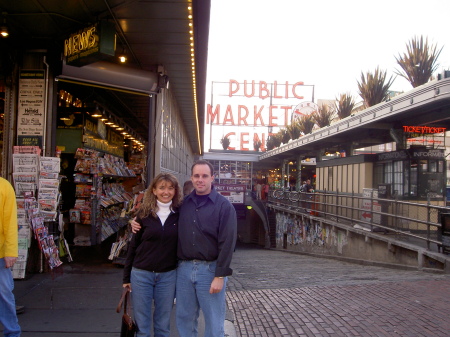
x: 275, y: 293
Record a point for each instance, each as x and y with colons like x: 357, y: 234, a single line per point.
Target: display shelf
x: 99, y: 181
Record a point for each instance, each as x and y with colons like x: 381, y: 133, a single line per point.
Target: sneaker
x: 20, y: 309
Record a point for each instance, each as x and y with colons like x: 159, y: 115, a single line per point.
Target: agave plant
x: 256, y: 144
x: 294, y: 130
x: 273, y: 141
x: 419, y: 62
x: 323, y: 116
x: 306, y: 124
x: 225, y: 141
x: 284, y: 135
x: 344, y: 105
x: 373, y: 87
x: 270, y: 143
x: 276, y: 140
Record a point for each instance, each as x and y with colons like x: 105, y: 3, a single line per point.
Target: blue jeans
x: 148, y: 287
x: 194, y: 280
x: 8, y: 315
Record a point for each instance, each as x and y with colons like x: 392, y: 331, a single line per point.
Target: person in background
x: 266, y: 191
x: 308, y: 187
x: 8, y: 256
x: 258, y: 190
x: 263, y: 191
x: 150, y: 267
x: 188, y: 187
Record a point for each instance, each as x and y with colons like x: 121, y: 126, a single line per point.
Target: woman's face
x: 164, y: 191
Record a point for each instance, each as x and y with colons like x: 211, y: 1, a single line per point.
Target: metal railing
x: 418, y: 222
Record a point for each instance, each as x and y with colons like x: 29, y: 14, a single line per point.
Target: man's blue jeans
x: 8, y: 315
x: 148, y: 287
x: 194, y: 280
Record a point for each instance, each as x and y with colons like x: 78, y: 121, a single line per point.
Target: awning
x: 112, y: 76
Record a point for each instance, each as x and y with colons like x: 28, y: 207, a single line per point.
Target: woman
x: 149, y: 270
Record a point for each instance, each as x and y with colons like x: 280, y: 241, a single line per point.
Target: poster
x: 30, y: 121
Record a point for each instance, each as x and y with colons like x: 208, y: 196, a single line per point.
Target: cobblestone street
x: 274, y: 293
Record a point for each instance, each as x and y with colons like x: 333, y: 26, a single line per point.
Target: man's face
x: 202, y: 179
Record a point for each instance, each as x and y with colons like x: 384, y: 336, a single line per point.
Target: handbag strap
x: 124, y: 301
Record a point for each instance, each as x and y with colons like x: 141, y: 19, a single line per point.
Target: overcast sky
x: 324, y: 43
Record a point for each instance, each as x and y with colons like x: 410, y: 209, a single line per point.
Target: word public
x: 257, y: 115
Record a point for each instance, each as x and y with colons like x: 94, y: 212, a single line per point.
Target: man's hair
x: 203, y: 162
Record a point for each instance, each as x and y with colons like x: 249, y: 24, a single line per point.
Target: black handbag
x: 129, y: 327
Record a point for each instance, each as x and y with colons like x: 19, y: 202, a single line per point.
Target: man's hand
x: 216, y: 285
x: 9, y: 261
x: 135, y: 226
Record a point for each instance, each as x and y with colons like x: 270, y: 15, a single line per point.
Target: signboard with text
x: 90, y: 44
x: 31, y: 114
x: 234, y: 193
x: 250, y: 111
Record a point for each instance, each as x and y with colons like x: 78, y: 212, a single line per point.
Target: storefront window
x: 233, y: 172
x: 175, y: 149
x: 378, y: 174
x: 424, y: 165
x: 397, y: 187
x: 388, y: 173
x: 413, y: 178
x: 440, y: 166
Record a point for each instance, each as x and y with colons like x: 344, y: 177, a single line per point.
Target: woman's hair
x: 149, y: 205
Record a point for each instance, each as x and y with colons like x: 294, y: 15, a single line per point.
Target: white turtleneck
x: 163, y: 210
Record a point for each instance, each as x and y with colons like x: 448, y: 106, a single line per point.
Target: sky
x: 323, y: 43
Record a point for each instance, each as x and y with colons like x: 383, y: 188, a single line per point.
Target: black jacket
x: 154, y: 247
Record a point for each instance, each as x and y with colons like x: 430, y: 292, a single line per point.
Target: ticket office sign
x: 31, y: 105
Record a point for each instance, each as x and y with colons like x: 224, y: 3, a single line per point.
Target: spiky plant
x: 284, y: 136
x: 344, y: 105
x: 294, y: 130
x: 273, y: 141
x: 256, y: 144
x: 323, y: 116
x: 277, y: 140
x: 306, y: 124
x: 419, y: 62
x: 225, y: 141
x: 373, y: 87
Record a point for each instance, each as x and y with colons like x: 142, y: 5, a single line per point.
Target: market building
x: 109, y: 92
x: 381, y: 170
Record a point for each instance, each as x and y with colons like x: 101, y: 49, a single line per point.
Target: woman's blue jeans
x: 194, y: 280
x: 8, y: 315
x: 148, y: 288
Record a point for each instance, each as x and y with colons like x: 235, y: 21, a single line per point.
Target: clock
x: 304, y: 109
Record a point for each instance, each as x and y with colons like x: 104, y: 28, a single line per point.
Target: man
x: 207, y: 232
x: 308, y: 187
x: 258, y: 190
x: 206, y: 240
x: 8, y: 256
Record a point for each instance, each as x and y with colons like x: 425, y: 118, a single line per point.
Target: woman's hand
x: 127, y: 285
x: 135, y: 226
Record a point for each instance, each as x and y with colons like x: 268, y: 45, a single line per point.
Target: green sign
x: 91, y: 44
